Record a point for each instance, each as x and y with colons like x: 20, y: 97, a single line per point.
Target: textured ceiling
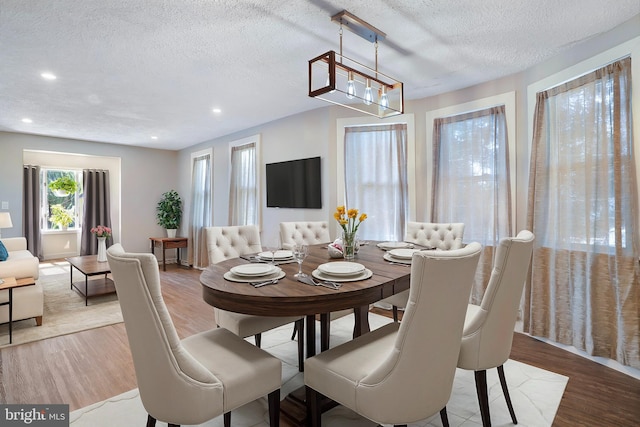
x: 128, y: 70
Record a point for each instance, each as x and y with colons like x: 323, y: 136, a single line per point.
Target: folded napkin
x: 335, y: 249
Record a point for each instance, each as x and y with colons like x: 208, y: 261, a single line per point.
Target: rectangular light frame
x: 328, y: 74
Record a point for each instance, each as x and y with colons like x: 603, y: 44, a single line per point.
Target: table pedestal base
x: 294, y: 407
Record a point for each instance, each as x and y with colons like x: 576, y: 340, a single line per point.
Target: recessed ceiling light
x: 48, y: 76
x: 154, y: 137
x: 27, y: 120
x: 217, y: 110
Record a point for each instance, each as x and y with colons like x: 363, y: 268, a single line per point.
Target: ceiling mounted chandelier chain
x: 343, y: 81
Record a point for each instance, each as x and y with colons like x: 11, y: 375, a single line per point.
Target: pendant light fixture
x: 337, y: 79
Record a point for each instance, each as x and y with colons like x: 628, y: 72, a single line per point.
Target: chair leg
x: 151, y: 422
x: 258, y: 339
x: 314, y: 416
x: 299, y: 325
x: 395, y: 314
x: 295, y: 330
x: 505, y: 390
x: 483, y: 397
x: 274, y: 407
x: 173, y: 425
x: 227, y: 419
x: 443, y: 417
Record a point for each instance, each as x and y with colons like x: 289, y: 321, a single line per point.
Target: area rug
x: 535, y: 393
x: 64, y: 308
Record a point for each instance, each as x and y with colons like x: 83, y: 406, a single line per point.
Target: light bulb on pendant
x: 384, y: 99
x: 351, y: 87
x: 368, y: 95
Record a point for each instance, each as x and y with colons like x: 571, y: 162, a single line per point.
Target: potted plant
x: 60, y: 216
x: 169, y: 212
x: 63, y: 186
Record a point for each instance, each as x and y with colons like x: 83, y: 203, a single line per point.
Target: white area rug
x: 535, y: 393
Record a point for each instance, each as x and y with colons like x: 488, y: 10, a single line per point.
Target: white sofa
x: 28, y: 301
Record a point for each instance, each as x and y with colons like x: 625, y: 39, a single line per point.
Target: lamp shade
x: 5, y: 220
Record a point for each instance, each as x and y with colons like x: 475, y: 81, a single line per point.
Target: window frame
x: 44, y: 200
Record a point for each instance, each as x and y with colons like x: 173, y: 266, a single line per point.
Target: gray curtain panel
x: 96, y: 208
x: 31, y: 209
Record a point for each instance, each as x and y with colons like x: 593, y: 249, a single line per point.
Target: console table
x: 168, y: 243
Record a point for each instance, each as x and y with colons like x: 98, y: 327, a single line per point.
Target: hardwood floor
x: 90, y: 366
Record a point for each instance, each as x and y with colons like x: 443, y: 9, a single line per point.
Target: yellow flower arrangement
x: 349, y: 219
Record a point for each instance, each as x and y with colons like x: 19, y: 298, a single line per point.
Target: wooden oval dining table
x: 291, y: 298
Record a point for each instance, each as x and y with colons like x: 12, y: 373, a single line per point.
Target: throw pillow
x: 3, y: 252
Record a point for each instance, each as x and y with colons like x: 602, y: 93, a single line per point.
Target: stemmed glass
x: 300, y: 252
x: 273, y: 251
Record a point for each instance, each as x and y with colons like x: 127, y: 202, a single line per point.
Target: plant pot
x: 60, y: 193
x: 171, y: 233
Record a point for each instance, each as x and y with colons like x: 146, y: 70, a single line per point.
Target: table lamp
x: 5, y: 221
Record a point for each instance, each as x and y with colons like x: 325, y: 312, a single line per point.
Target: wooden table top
x: 292, y: 298
x: 89, y: 265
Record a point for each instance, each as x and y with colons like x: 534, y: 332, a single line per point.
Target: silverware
x: 327, y: 284
x: 265, y: 283
x: 399, y: 263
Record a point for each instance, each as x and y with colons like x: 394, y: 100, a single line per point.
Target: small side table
x: 168, y: 243
x: 11, y: 283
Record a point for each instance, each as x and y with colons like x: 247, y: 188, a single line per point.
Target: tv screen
x: 294, y: 184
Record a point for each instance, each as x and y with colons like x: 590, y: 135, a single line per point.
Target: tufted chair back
x: 443, y: 236
x: 232, y: 242
x: 304, y: 232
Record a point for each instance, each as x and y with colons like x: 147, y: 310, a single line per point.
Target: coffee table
x: 89, y: 266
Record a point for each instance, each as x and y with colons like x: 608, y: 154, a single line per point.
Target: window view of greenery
x: 61, y: 205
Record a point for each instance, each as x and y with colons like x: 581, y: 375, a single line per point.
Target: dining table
x: 289, y: 297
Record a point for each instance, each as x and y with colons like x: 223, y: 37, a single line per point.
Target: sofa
x: 28, y: 301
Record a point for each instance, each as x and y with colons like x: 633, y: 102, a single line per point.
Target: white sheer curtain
x: 243, y: 194
x: 201, y: 208
x: 375, y: 160
x: 471, y: 181
x: 583, y: 209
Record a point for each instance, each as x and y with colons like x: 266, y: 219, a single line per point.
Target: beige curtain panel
x: 584, y: 289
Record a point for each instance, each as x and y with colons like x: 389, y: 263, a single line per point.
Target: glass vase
x: 102, y: 249
x: 348, y: 245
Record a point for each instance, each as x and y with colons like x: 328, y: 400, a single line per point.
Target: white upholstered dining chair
x: 442, y: 236
x: 488, y: 327
x: 304, y: 232
x: 402, y: 372
x: 232, y: 242
x: 310, y: 233
x: 193, y: 380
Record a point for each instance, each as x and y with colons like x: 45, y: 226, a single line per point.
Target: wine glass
x: 300, y: 252
x: 272, y: 250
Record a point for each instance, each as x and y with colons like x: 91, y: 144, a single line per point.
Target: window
x: 375, y: 176
x: 243, y: 189
x: 472, y: 183
x: 61, y: 209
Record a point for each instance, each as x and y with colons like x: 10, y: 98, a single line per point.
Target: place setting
x: 400, y: 256
x: 257, y: 275
x: 275, y: 257
x: 341, y: 271
x: 387, y: 246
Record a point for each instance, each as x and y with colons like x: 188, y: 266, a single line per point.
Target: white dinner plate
x: 252, y: 270
x: 278, y: 274
x: 341, y: 268
x: 403, y: 253
x: 361, y: 276
x: 277, y: 255
x: 394, y: 245
x: 390, y: 258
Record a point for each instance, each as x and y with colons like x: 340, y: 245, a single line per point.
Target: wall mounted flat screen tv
x: 294, y: 184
